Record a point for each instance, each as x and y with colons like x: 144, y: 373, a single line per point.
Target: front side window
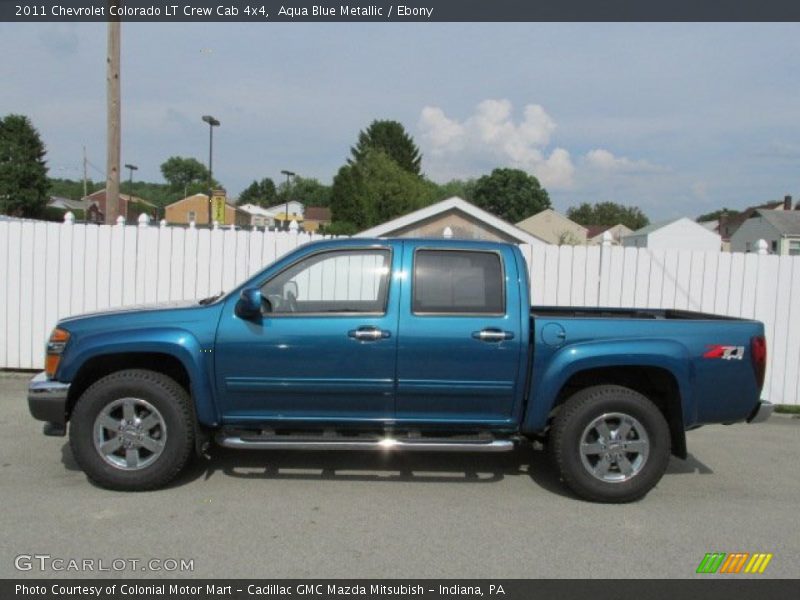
x: 458, y: 282
x: 794, y: 248
x: 342, y: 281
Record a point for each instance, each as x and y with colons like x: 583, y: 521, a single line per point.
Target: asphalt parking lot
x: 284, y: 514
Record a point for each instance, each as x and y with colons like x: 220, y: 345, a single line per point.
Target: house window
x: 794, y: 248
x: 774, y: 246
x: 191, y: 216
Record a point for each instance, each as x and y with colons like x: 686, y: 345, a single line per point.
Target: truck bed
x: 591, y: 312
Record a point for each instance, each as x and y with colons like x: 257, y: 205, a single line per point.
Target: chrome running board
x: 385, y: 444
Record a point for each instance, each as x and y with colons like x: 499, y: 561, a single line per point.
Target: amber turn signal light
x: 55, y: 347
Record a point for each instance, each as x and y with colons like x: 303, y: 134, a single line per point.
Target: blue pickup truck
x: 396, y: 345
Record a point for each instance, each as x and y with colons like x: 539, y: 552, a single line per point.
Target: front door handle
x: 493, y: 335
x: 368, y: 334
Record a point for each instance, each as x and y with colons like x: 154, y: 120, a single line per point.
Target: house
x: 316, y: 218
x: 259, y: 216
x: 594, y: 234
x: 454, y: 218
x: 728, y: 225
x: 554, y: 228
x: 295, y: 209
x: 779, y: 228
x: 680, y: 233
x: 130, y: 207
x: 196, y: 208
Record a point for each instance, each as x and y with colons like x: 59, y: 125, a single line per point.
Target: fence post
x: 69, y: 218
x: 761, y: 247
x: 293, y: 227
x: 144, y: 220
x: 120, y: 220
x: 163, y: 223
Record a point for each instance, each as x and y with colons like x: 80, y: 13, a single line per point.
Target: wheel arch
x: 657, y: 384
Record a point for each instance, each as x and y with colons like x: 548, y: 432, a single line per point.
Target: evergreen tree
x: 23, y: 172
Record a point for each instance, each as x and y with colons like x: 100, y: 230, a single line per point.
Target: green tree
x: 510, y: 194
x: 391, y: 138
x: 186, y: 175
x: 23, y: 172
x: 261, y: 193
x: 373, y: 190
x: 464, y: 189
x: 307, y: 190
x: 608, y: 213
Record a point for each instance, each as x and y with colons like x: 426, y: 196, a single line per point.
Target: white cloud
x: 490, y: 133
x: 603, y: 160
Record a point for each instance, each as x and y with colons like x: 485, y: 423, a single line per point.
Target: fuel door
x: 553, y: 334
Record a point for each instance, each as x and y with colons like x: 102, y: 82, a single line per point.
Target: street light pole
x: 131, y: 168
x: 288, y: 184
x: 212, y: 122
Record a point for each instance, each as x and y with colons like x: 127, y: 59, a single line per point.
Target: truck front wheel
x: 132, y: 430
x: 610, y: 444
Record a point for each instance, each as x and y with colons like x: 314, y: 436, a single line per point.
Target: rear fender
x: 575, y: 358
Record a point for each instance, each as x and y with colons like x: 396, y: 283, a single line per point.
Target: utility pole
x: 85, y: 175
x: 113, y: 125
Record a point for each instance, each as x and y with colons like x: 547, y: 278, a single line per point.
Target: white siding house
x: 680, y: 233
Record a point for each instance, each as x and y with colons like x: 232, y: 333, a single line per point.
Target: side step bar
x: 386, y: 444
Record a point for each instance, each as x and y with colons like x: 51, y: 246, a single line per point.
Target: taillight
x: 55, y: 348
x: 758, y: 354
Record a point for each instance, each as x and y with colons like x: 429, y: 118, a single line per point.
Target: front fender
x: 173, y: 341
x: 572, y: 359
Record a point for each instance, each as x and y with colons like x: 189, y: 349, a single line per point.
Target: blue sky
x: 676, y: 118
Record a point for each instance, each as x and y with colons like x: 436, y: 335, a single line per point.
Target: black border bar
x: 706, y: 587
x: 265, y: 11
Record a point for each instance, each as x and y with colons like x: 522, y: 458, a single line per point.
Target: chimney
x: 787, y: 203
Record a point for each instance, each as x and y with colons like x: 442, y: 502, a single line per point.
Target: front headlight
x: 55, y: 348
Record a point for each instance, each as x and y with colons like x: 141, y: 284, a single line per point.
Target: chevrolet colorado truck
x: 396, y: 345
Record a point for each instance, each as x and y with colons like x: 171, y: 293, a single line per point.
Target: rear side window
x: 458, y: 282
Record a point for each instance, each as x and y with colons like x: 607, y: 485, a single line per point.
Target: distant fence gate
x: 52, y: 270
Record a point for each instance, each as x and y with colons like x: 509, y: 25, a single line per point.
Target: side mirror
x: 249, y: 304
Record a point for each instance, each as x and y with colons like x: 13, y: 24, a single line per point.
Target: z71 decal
x: 724, y: 352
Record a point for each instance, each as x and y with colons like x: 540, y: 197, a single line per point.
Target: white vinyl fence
x: 51, y: 270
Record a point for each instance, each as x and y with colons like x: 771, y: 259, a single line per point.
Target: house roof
x: 595, y: 230
x: 787, y: 222
x: 648, y: 229
x: 254, y: 209
x: 68, y: 203
x: 458, y: 204
x: 318, y: 213
x: 101, y: 195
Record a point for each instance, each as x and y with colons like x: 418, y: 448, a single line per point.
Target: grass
x: 791, y: 409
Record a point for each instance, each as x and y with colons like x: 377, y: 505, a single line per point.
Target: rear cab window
x: 458, y: 282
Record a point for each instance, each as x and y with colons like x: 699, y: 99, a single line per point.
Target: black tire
x: 625, y: 476
x: 175, y: 422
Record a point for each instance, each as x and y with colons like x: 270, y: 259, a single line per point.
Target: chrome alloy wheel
x: 130, y: 434
x: 614, y: 447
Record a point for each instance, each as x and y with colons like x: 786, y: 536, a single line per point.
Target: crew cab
x: 396, y: 345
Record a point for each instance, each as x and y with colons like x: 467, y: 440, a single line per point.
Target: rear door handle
x: 493, y: 335
x: 368, y: 334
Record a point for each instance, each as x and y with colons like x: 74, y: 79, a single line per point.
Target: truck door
x: 460, y: 334
x: 324, y: 349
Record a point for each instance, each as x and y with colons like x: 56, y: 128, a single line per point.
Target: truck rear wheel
x: 610, y: 444
x: 132, y: 430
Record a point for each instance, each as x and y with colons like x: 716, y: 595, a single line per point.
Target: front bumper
x: 47, y: 399
x: 762, y: 412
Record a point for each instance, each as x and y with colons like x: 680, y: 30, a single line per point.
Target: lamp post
x: 131, y: 168
x: 212, y: 122
x: 288, y: 174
